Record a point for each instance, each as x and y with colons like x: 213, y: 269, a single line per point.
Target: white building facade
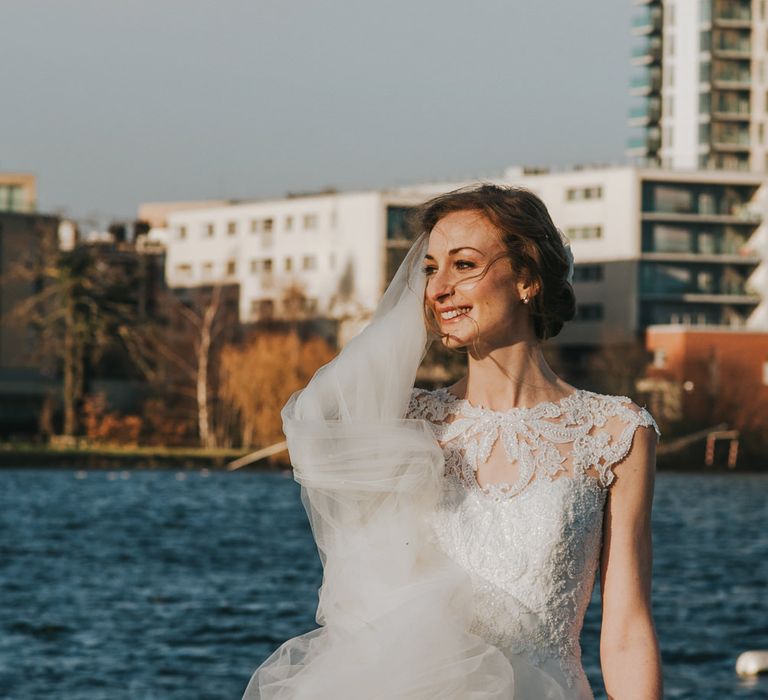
x: 651, y: 247
x: 330, y: 250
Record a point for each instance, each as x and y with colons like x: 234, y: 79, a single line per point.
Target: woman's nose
x: 439, y: 287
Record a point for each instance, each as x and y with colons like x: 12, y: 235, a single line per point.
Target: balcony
x: 640, y: 85
x: 732, y: 42
x: 647, y: 52
x: 730, y: 140
x: 732, y: 14
x: 644, y: 114
x: 732, y: 79
x: 647, y: 22
x: 643, y: 145
x: 731, y: 108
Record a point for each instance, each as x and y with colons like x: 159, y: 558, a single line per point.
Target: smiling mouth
x: 454, y: 313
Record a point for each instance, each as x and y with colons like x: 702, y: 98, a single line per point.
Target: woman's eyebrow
x: 453, y: 251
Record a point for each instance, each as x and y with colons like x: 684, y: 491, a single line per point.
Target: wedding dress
x: 531, y: 547
x: 435, y: 587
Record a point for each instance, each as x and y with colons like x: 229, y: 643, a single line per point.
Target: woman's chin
x: 454, y: 341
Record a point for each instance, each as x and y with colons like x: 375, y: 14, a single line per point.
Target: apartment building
x: 651, y: 246
x: 657, y: 246
x: 700, y: 84
x: 330, y: 253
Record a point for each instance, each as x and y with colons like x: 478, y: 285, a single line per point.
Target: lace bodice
x: 530, y: 542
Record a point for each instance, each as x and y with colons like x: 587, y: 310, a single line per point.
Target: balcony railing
x: 647, y: 83
x: 647, y: 21
x: 733, y: 45
x: 647, y: 51
x: 649, y: 111
x: 740, y: 107
x: 732, y: 12
x: 742, y: 77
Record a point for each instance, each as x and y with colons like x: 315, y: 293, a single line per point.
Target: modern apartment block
x: 651, y: 246
x: 700, y: 84
x: 656, y: 246
x: 330, y: 253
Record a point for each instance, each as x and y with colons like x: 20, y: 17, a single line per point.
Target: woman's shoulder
x: 612, y: 406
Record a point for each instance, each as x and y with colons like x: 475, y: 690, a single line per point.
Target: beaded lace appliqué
x: 531, y: 547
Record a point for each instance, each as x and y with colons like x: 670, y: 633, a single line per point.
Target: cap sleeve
x: 620, y: 420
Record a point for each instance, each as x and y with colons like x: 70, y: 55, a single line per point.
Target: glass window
x: 267, y: 225
x: 288, y: 264
x: 310, y: 221
x: 672, y: 200
x: 231, y: 228
x: 397, y: 224
x: 309, y: 262
x: 210, y: 229
x: 705, y: 41
x: 705, y: 72
x: 182, y: 232
x: 231, y: 267
x: 254, y: 225
x: 288, y: 223
x: 671, y: 239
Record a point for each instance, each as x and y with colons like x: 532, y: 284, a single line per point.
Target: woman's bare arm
x: 629, y: 650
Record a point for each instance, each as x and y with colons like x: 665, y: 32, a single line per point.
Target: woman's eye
x: 428, y: 270
x: 464, y: 264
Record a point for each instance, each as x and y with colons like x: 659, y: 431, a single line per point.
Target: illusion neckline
x: 516, y: 410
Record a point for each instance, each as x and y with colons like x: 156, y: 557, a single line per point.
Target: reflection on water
x: 165, y: 585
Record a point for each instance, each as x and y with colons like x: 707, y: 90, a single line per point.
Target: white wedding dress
x: 435, y: 588
x: 531, y: 547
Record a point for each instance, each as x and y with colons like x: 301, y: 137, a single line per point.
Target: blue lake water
x: 155, y: 584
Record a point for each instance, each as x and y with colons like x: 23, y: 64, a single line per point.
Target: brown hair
x: 533, y: 244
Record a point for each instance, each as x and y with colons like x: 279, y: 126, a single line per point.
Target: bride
x: 461, y: 530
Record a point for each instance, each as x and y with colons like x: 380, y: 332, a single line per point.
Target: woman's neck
x: 511, y: 376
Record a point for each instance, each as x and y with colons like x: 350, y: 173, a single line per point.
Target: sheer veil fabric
x: 393, y: 611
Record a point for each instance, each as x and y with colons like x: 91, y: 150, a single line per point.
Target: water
x: 148, y: 585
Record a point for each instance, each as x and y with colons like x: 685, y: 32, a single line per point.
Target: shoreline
x: 101, y: 458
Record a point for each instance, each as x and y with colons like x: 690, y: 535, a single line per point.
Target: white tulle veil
x: 393, y: 612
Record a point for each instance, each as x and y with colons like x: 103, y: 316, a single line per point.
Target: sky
x: 116, y: 102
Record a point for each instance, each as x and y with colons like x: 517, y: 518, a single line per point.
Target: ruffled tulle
x: 394, y: 611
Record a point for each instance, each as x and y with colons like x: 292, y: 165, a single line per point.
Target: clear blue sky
x: 116, y: 102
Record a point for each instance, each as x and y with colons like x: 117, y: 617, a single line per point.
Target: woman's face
x: 471, y: 288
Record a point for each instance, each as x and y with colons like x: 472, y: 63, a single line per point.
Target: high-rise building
x: 700, y: 84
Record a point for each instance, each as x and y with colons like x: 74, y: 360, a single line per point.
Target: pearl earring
x: 525, y: 300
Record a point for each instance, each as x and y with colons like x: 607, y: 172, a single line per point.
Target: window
x: 207, y: 270
x: 589, y: 312
x: 705, y: 41
x: 584, y: 233
x: 575, y: 194
x: 254, y: 225
x: 659, y: 358
x: 266, y: 265
x: 254, y: 266
x: 760, y: 133
x: 288, y: 264
x: 587, y: 273
x: 184, y: 271
x: 310, y: 222
x: 231, y: 267
x: 705, y: 71
x: 288, y: 224
x: 309, y: 262
x: 231, y: 228
x: 210, y: 229
x: 267, y: 225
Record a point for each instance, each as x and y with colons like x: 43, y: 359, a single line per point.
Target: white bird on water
x: 752, y: 663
